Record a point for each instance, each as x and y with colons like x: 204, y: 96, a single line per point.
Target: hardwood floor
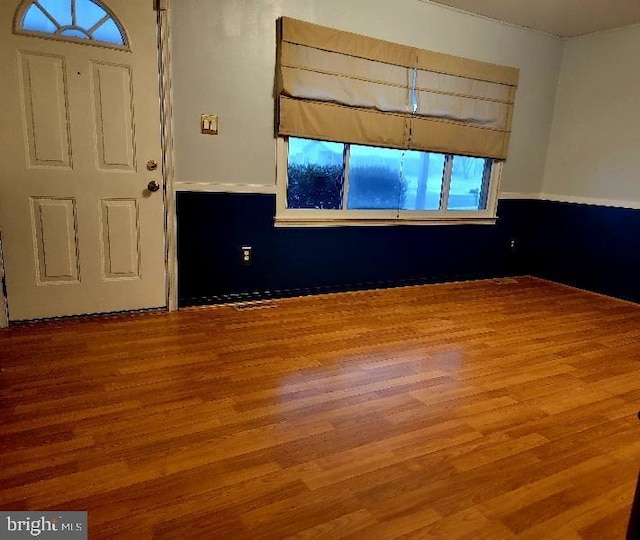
x: 476, y: 410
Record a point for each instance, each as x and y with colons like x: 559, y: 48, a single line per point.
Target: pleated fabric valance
x: 344, y: 87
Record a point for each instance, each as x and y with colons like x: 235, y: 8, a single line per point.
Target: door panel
x: 81, y: 232
x: 55, y: 228
x: 114, y: 116
x: 44, y: 96
x: 121, y: 230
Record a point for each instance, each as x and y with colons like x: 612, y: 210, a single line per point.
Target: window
x: 84, y: 20
x: 339, y: 183
x: 416, y: 135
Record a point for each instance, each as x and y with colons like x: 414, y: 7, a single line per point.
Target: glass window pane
x: 468, y: 190
x: 36, y: 20
x: 71, y: 32
x: 422, y: 177
x: 375, y: 179
x: 108, y: 32
x: 315, y: 176
x: 88, y: 13
x: 60, y: 10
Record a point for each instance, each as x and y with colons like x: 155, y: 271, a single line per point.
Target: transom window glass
x: 329, y: 180
x: 76, y: 19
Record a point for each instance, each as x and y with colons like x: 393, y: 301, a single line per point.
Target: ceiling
x: 564, y: 18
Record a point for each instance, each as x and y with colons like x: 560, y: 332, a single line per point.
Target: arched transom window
x: 72, y: 20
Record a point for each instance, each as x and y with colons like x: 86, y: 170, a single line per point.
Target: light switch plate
x: 209, y: 124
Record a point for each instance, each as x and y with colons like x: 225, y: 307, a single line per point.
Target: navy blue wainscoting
x: 591, y: 247
x: 293, y: 261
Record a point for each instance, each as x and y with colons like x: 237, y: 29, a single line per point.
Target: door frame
x: 168, y: 156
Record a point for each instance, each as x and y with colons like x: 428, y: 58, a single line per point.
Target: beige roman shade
x: 344, y: 87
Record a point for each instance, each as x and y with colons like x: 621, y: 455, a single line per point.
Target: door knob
x: 153, y: 186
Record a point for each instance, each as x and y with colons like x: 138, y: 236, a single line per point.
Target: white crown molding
x: 491, y: 19
x: 565, y: 34
x: 600, y: 32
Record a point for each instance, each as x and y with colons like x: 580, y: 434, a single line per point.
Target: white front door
x: 79, y: 121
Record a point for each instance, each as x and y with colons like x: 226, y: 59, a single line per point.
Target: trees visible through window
x: 336, y: 176
x: 315, y: 172
x: 76, y: 19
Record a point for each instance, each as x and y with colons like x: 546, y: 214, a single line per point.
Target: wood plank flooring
x: 474, y: 410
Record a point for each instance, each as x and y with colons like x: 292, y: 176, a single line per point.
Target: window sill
x: 376, y: 222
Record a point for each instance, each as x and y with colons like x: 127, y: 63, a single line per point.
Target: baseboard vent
x: 505, y: 281
x: 256, y: 304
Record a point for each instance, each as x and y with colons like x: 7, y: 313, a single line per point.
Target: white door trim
x: 168, y: 171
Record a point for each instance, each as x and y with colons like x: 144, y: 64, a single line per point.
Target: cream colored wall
x: 594, y: 147
x: 224, y: 63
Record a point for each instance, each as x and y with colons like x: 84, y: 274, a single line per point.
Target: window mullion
x: 345, y: 171
x: 446, y: 183
x: 282, y: 173
x: 483, y: 199
x: 49, y: 16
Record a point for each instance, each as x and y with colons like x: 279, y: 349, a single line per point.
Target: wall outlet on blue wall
x: 246, y: 254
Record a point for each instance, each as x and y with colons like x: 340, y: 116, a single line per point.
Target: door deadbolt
x: 152, y: 165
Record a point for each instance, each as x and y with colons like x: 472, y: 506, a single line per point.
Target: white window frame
x: 312, y: 217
